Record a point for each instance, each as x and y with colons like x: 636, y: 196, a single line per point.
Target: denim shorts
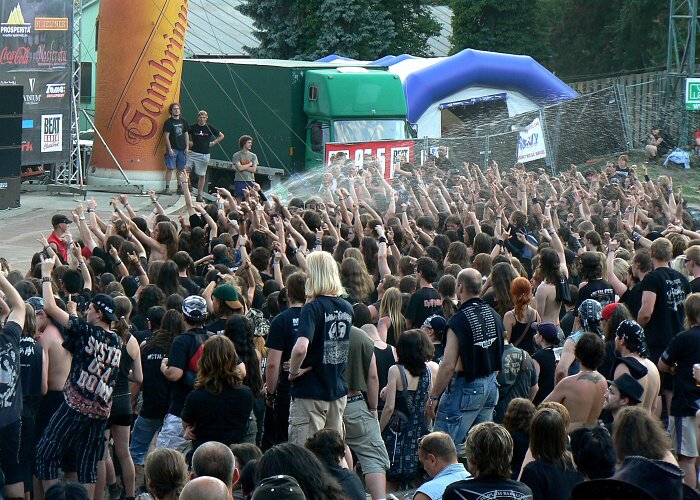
x: 142, y: 436
x: 179, y: 160
x: 465, y: 404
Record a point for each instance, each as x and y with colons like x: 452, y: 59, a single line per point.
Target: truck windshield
x: 368, y: 130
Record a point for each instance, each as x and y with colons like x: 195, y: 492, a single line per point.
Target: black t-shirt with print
x: 283, y: 333
x: 202, y: 135
x: 326, y: 322
x: 547, y: 480
x: 183, y: 349
x: 684, y: 350
x: 695, y: 285
x: 632, y: 298
x: 155, y: 388
x: 177, y: 129
x: 481, y: 488
x: 598, y: 290
x: 548, y: 365
x: 189, y: 285
x: 10, y: 385
x: 423, y: 303
x: 31, y: 358
x: 218, y: 326
x: 671, y: 289
x: 96, y: 357
x: 479, y: 330
x: 515, y: 378
x: 219, y: 417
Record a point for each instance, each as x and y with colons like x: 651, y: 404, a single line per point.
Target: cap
x: 228, y: 294
x: 37, y: 303
x: 194, y: 308
x: 590, y: 310
x: 437, y: 323
x: 548, y: 331
x: 60, y: 219
x: 609, y: 310
x: 629, y: 387
x: 104, y: 303
x: 279, y: 488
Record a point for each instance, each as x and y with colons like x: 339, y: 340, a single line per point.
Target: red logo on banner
x: 18, y: 56
x: 387, y: 153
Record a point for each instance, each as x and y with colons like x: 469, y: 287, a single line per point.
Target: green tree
x: 499, y: 26
x: 364, y: 29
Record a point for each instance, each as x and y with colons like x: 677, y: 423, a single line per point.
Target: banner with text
x: 35, y: 51
x: 387, y: 153
x: 531, y: 143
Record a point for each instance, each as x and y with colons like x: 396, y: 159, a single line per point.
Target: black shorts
x: 10, y: 442
x: 47, y: 407
x: 27, y: 450
x: 125, y: 420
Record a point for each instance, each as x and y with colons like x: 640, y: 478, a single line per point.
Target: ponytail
x: 121, y: 328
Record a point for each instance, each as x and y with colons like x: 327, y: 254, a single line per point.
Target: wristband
x: 46, y: 247
x: 90, y: 210
x: 682, y: 230
x: 433, y: 398
x: 551, y: 230
x: 126, y: 204
x: 82, y: 217
x: 46, y: 279
x: 390, y: 242
x: 636, y: 236
x: 295, y: 373
x: 118, y: 263
x: 382, y: 239
x: 646, y: 178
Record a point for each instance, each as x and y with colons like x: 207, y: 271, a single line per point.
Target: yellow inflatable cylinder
x: 141, y: 48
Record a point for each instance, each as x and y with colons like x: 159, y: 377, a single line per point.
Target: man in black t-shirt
x: 204, y: 136
x: 177, y: 144
x: 320, y: 353
x: 663, y: 292
x: 425, y: 301
x: 280, y: 341
x: 467, y: 373
x: 180, y: 369
x: 489, y: 452
x: 680, y: 356
x: 11, y: 392
x: 596, y: 287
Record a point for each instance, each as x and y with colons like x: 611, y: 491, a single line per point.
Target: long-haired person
x: 518, y: 321
x: 155, y: 389
x: 407, y: 390
x: 391, y: 320
x: 638, y: 433
x: 319, y: 355
x: 120, y: 417
x: 357, y: 282
x: 552, y: 474
x: 219, y: 407
x: 517, y: 421
x: 166, y: 473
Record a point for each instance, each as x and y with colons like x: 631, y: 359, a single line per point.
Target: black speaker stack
x: 11, y: 102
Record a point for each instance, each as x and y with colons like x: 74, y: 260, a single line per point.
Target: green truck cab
x: 292, y: 108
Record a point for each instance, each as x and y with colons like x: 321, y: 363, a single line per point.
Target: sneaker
x: 199, y: 198
x: 166, y: 191
x: 115, y: 491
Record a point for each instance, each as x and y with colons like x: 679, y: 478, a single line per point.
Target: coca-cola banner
x: 35, y: 51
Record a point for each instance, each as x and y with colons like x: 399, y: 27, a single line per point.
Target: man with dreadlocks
x: 634, y: 359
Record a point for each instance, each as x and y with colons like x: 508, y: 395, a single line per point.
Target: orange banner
x: 140, y: 45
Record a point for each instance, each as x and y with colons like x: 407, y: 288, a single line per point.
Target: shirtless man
x: 552, y: 269
x: 583, y: 394
x: 631, y: 344
x: 589, y: 315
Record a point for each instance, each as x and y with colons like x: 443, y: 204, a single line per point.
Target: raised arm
x: 14, y: 300
x: 50, y: 307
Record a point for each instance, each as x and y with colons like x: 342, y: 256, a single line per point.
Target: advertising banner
x: 35, y: 52
x: 388, y: 153
x: 135, y: 90
x: 531, y: 143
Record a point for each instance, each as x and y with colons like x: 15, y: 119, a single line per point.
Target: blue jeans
x: 465, y: 404
x: 142, y: 436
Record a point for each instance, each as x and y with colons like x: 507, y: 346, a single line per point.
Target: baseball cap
x: 590, y: 310
x: 279, y: 488
x: 37, y: 303
x: 228, y: 294
x: 104, y: 303
x: 194, y: 308
x: 437, y: 323
x: 547, y: 330
x: 60, y: 219
x: 629, y: 387
x: 609, y: 310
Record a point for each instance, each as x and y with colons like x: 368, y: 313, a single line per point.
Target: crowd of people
x: 455, y: 332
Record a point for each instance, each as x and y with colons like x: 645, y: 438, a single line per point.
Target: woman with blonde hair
x: 219, y: 406
x: 518, y: 321
x: 166, y: 473
x: 391, y: 321
x: 320, y: 353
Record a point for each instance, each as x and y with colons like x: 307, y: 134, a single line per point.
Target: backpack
x: 194, y: 355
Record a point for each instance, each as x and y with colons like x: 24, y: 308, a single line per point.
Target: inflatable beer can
x: 141, y: 48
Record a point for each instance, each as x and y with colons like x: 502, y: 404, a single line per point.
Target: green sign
x: 692, y: 94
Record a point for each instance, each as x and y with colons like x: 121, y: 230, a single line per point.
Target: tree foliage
x: 573, y: 38
x: 362, y: 29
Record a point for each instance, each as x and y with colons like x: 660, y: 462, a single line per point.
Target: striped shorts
x: 71, y: 433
